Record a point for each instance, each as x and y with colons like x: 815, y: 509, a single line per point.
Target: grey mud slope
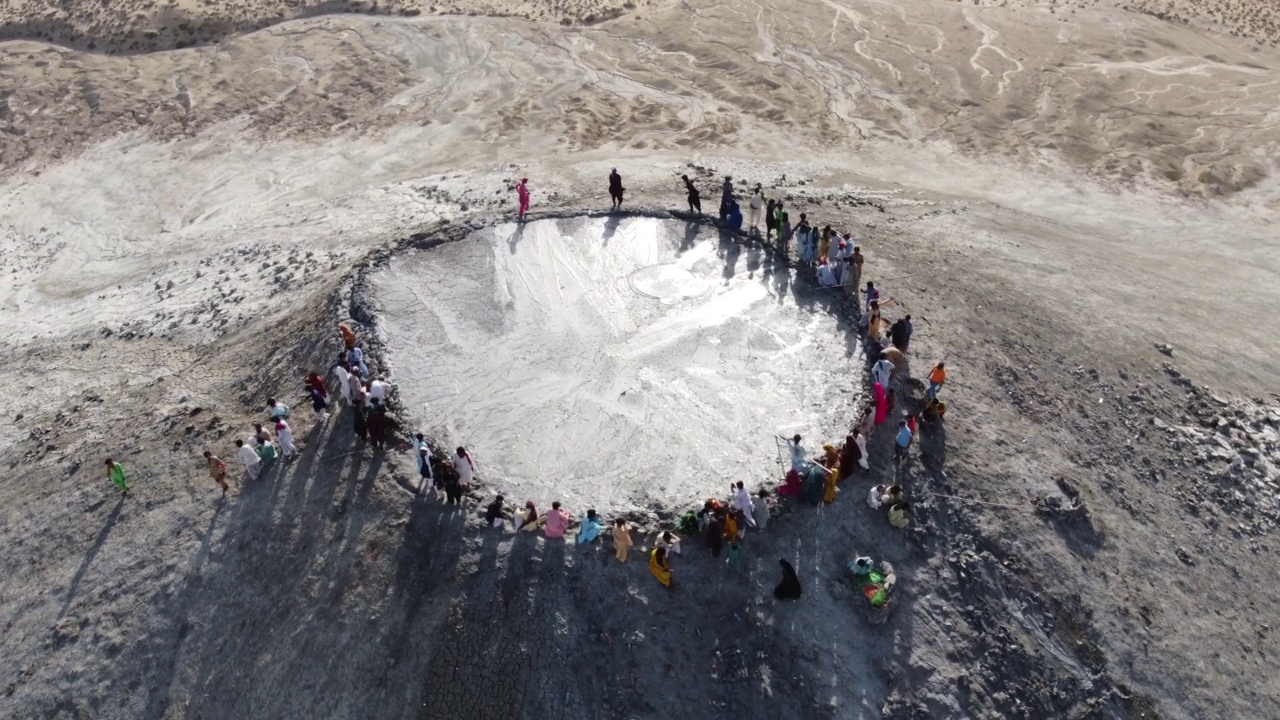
x: 615, y: 363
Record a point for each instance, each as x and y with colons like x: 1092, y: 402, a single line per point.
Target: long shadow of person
x: 729, y: 249
x: 515, y: 237
x: 691, y: 230
x: 611, y: 227
x: 98, y: 542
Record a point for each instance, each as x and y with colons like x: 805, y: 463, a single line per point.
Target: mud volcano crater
x: 615, y: 362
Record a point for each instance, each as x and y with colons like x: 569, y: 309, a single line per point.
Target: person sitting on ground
x: 891, y: 495
x: 557, y: 521
x: 621, y: 539
x: 660, y: 566
x: 496, y: 514
x: 789, y: 588
x: 760, y: 509
x: 898, y: 515
x: 668, y: 541
x: 591, y: 527
x: 875, y: 496
x: 528, y: 519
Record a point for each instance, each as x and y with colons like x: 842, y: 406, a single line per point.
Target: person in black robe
x: 789, y: 588
x: 715, y: 534
x: 615, y: 188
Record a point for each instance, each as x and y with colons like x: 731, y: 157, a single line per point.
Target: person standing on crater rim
x: 615, y: 188
x: 726, y: 197
x: 695, y: 199
x: 756, y: 204
x: 522, y: 192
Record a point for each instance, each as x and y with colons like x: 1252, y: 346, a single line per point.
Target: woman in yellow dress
x: 660, y: 566
x: 621, y: 538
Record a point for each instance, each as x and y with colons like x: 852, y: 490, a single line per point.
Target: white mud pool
x: 616, y: 363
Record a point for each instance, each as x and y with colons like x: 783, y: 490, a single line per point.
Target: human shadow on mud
x: 691, y: 231
x: 268, y: 542
x: 611, y: 226
x: 515, y: 237
x: 92, y: 553
x: 729, y: 249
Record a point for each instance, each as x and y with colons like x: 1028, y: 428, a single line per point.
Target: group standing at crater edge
x: 720, y: 524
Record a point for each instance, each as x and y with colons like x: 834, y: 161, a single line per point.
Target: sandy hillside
x: 1075, y: 202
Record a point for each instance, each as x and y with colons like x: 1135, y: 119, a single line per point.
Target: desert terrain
x: 1075, y: 201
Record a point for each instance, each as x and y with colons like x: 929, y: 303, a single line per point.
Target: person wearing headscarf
x: 731, y: 526
x: 621, y: 539
x: 465, y: 466
x: 522, y: 193
x: 829, y: 486
x: 814, y: 484
x: 591, y: 527
x: 528, y: 519
x: 850, y: 456
x: 882, y: 403
x: 317, y: 382
x: 660, y: 566
x: 789, y: 588
x: 898, y: 515
x: 348, y: 336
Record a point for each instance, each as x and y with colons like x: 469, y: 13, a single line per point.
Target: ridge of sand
x: 138, y: 26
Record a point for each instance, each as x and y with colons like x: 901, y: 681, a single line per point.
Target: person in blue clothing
x: 591, y: 527
x: 355, y: 358
x: 902, y: 441
x: 733, y: 219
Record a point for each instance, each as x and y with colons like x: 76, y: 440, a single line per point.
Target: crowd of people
x: 721, y: 524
